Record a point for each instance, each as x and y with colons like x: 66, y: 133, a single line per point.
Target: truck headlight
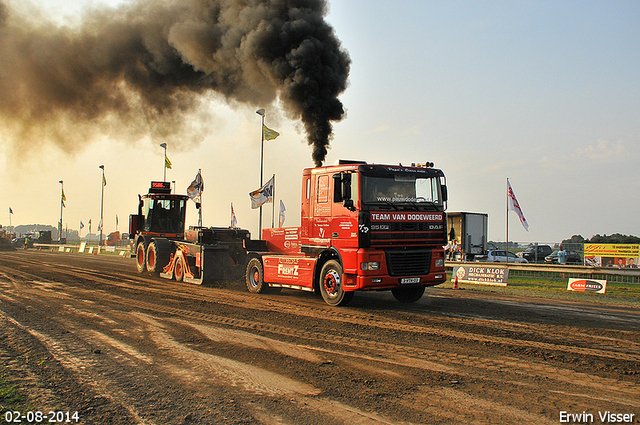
x: 439, y: 262
x: 372, y: 265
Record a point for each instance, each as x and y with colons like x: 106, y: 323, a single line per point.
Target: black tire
x: 331, y: 285
x: 141, y: 258
x: 178, y: 269
x: 408, y: 295
x: 157, y: 257
x: 254, y: 277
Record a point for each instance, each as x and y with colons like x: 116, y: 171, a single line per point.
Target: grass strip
x: 616, y: 293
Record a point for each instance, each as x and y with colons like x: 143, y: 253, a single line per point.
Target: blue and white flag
x: 262, y: 196
x: 196, y: 188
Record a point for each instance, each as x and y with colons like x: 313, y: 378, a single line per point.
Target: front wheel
x: 408, y: 295
x: 255, y: 277
x: 331, y: 285
x: 141, y: 261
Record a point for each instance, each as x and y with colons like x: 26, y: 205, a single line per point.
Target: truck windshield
x: 164, y: 215
x: 401, y: 189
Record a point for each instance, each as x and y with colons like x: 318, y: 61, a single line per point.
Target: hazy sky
x: 544, y: 93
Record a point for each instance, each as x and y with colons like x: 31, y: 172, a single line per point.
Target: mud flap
x: 167, y: 271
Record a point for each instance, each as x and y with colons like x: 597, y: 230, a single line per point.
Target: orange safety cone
x: 455, y: 283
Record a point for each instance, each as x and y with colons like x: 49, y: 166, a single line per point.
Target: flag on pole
x: 116, y: 221
x: 10, y: 210
x: 104, y: 180
x: 64, y: 198
x: 282, y: 210
x: 515, y: 206
x: 262, y: 196
x: 167, y: 163
x: 81, y: 225
x: 269, y: 134
x: 196, y: 188
x: 100, y: 226
x: 234, y: 220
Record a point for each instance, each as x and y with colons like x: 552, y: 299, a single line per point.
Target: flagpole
x: 273, y: 203
x: 261, y: 112
x: 164, y: 167
x: 61, y: 207
x: 101, y: 205
x: 507, y: 220
x: 200, y: 209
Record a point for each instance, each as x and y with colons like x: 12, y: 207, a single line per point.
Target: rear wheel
x: 157, y: 257
x: 141, y: 261
x: 408, y: 295
x: 331, y: 285
x: 255, y: 277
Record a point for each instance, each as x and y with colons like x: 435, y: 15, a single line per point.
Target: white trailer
x: 469, y: 231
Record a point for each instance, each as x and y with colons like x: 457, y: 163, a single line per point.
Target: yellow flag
x: 104, y: 180
x: 268, y: 133
x: 167, y: 163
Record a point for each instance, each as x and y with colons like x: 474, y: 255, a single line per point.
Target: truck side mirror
x: 346, y: 186
x: 342, y: 190
x: 445, y: 194
x: 341, y: 187
x: 136, y: 223
x: 337, y: 187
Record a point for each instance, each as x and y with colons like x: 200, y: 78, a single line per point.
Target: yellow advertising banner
x: 611, y: 250
x: 612, y: 255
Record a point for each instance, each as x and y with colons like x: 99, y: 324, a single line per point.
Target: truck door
x: 344, y: 218
x: 321, y: 207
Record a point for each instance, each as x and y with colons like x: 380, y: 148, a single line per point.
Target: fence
x: 123, y: 251
x: 564, y: 272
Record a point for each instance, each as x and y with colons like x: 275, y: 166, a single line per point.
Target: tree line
x: 615, y: 238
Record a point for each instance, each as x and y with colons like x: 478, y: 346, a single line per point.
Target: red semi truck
x: 363, y: 227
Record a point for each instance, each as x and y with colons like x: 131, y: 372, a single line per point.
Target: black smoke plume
x: 144, y: 68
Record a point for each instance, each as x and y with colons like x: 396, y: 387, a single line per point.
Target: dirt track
x: 86, y: 333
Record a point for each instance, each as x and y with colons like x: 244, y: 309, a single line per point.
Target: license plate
x: 406, y: 280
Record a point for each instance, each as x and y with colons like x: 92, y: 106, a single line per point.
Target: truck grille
x: 417, y: 233
x: 408, y: 262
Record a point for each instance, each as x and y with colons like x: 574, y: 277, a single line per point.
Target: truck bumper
x: 398, y: 268
x: 391, y: 282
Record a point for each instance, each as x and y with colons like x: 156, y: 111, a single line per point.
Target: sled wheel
x: 141, y: 262
x: 255, y: 277
x: 408, y: 295
x: 331, y: 285
x: 178, y: 269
